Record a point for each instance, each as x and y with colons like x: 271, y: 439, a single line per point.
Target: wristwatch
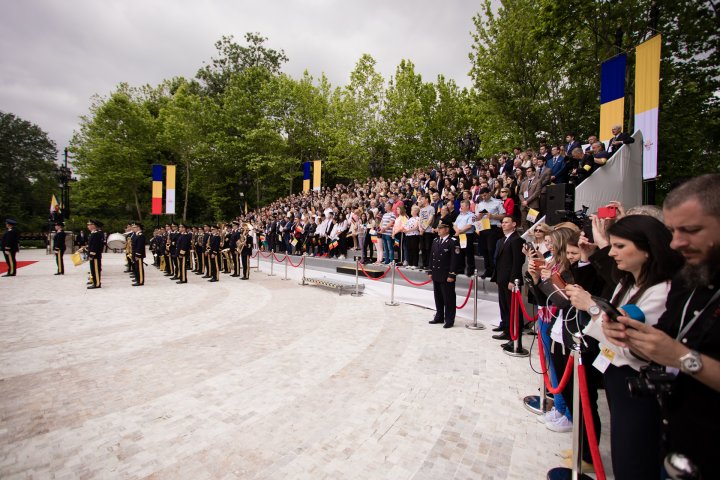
x: 690, y: 363
x: 594, y: 310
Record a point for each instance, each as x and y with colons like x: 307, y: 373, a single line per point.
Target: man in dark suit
x: 446, y: 263
x: 619, y: 139
x: 558, y: 166
x: 96, y: 244
x: 11, y: 245
x: 138, y: 255
x: 509, y: 260
x: 572, y: 144
x: 59, y: 248
x: 543, y: 175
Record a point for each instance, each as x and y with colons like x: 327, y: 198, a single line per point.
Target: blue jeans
x: 388, y: 252
x: 558, y: 399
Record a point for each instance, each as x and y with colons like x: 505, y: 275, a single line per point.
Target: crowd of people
x: 638, y: 292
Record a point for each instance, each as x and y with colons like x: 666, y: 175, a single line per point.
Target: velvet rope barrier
x: 302, y: 259
x: 522, y: 307
x: 265, y: 256
x: 514, y: 316
x: 410, y: 281
x: 375, y: 279
x: 255, y: 254
x: 566, y: 374
x: 589, y: 424
x: 279, y: 260
x: 467, y: 297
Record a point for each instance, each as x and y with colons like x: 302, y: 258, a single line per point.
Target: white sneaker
x: 560, y: 425
x: 550, y: 416
x: 341, y: 257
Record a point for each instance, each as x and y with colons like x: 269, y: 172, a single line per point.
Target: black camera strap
x: 686, y: 328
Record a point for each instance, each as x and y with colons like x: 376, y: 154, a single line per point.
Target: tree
x: 27, y: 159
x: 234, y: 58
x: 113, y: 149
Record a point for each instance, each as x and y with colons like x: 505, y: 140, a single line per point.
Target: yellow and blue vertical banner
x: 612, y: 95
x: 306, y: 177
x: 317, y: 174
x: 170, y: 190
x: 157, y: 177
x: 647, y: 101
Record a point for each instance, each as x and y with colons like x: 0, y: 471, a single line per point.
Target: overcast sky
x: 54, y: 54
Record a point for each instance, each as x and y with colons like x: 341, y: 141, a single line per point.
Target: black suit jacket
x: 509, y: 260
x: 623, y: 137
x: 445, y: 259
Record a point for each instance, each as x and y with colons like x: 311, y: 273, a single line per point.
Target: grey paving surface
x: 255, y: 380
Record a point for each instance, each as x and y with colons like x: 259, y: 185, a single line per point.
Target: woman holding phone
x: 640, y: 246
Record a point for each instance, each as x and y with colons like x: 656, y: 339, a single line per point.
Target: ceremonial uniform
x: 96, y: 242
x: 138, y: 255
x: 11, y: 245
x: 173, y: 236
x: 184, y: 244
x: 245, y: 252
x: 234, y: 254
x: 59, y: 249
x: 446, y: 262
x: 214, y: 250
x: 206, y: 249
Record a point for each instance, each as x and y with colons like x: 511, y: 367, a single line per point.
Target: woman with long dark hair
x: 640, y: 246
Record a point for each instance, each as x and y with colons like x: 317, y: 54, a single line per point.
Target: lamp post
x: 469, y: 144
x: 64, y: 175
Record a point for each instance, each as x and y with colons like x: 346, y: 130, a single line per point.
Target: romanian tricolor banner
x: 317, y: 174
x: 170, y: 190
x: 54, y: 205
x: 157, y: 176
x: 612, y: 95
x: 306, y: 177
x: 647, y: 101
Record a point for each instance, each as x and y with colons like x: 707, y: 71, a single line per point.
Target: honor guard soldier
x: 235, y: 248
x: 184, y: 244
x: 245, y: 244
x: 11, y: 245
x: 129, y: 233
x: 226, y: 233
x: 138, y: 254
x: 59, y: 248
x: 446, y: 262
x: 174, y: 234
x: 160, y: 248
x: 200, y: 250
x: 96, y: 244
x: 193, y: 248
x: 168, y: 258
x: 214, y: 254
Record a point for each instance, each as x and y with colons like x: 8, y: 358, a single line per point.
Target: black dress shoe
x: 58, y: 273
x: 7, y: 275
x: 206, y: 276
x: 138, y: 284
x: 233, y: 275
x: 501, y: 336
x: 92, y: 287
x: 245, y: 278
x: 448, y: 325
x: 497, y: 329
x: 212, y: 280
x: 180, y: 281
x: 434, y: 322
x: 509, y: 347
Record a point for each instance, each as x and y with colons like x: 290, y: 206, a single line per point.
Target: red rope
x: 514, y: 317
x: 566, y: 374
x: 255, y: 254
x: 378, y: 278
x: 410, y: 281
x: 278, y: 259
x: 522, y: 307
x: 302, y: 259
x: 467, y: 297
x: 265, y: 256
x: 589, y: 424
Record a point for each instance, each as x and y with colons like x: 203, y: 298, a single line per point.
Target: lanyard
x: 684, y: 330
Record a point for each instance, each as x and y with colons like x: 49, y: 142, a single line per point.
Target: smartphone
x: 539, y: 263
x: 530, y: 247
x: 612, y: 312
x: 607, y: 212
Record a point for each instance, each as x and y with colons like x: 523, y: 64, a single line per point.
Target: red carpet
x: 20, y: 264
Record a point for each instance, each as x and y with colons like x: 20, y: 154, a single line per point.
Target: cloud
x: 57, y: 55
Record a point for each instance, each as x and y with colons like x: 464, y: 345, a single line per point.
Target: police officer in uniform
x: 11, y: 245
x: 138, y: 254
x: 59, y: 247
x: 96, y: 244
x: 184, y: 244
x: 446, y: 263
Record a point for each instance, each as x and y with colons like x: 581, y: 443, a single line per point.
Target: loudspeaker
x: 557, y: 201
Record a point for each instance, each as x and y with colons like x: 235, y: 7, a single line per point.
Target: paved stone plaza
x: 263, y: 379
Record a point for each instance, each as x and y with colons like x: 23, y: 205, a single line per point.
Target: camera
x: 653, y: 380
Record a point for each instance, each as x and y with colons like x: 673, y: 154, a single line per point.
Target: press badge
x: 526, y: 194
x: 604, y: 360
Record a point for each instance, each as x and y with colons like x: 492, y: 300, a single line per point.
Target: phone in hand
x: 611, y: 311
x: 607, y: 212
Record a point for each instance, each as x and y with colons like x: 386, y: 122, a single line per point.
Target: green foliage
x: 28, y: 180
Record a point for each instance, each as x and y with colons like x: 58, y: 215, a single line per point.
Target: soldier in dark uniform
x: 235, y: 249
x: 168, y: 258
x: 214, y: 254
x: 193, y: 250
x: 138, y: 254
x: 184, y: 244
x: 59, y: 248
x: 96, y: 244
x: 174, y: 234
x: 129, y: 233
x: 446, y: 262
x: 11, y: 245
x: 200, y: 250
x: 160, y: 247
x: 206, y: 248
x: 227, y: 252
x: 245, y: 245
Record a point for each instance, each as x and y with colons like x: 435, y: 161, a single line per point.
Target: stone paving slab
x: 263, y: 379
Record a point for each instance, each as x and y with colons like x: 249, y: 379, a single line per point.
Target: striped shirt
x: 388, y: 219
